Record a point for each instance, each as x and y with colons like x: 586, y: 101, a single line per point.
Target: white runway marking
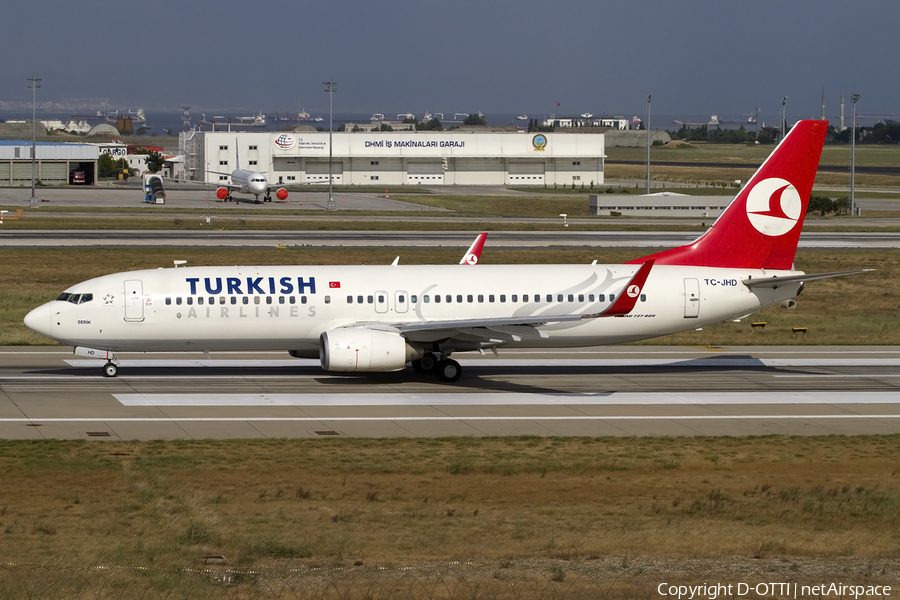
x: 511, y: 399
x: 462, y: 419
x: 713, y: 361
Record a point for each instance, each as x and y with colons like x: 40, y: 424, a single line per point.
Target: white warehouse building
x: 398, y: 158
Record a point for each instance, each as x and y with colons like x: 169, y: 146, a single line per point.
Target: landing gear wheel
x: 110, y: 369
x: 267, y: 198
x: 426, y: 364
x: 449, y: 370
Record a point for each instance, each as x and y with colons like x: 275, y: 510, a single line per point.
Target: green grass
x: 867, y: 155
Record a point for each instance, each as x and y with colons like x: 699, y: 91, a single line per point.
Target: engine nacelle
x: 281, y: 194
x: 360, y: 349
x: 222, y: 193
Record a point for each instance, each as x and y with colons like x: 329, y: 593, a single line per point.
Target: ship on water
x: 137, y: 117
x: 257, y: 120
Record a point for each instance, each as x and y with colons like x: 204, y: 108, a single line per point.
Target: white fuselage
x: 250, y: 182
x: 288, y: 308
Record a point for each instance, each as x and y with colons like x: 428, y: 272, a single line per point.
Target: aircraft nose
x: 40, y: 320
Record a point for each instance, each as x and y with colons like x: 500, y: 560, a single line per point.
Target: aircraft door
x: 134, y: 300
x: 691, y: 298
x: 401, y: 302
x: 381, y: 302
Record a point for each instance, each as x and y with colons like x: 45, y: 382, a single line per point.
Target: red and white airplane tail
x: 761, y: 227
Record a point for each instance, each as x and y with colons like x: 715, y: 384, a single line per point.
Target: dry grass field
x: 832, y: 155
x: 519, y: 509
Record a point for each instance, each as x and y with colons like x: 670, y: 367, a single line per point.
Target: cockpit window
x: 75, y: 298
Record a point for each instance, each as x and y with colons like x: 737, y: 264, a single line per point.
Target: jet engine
x: 281, y: 194
x: 360, y: 349
x: 222, y: 193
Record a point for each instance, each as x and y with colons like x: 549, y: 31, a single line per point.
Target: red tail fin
x: 761, y: 227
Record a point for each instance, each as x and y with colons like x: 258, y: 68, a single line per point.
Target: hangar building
x: 54, y: 163
x: 398, y: 158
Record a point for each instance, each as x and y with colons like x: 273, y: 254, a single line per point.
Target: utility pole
x: 330, y: 88
x: 853, y: 99
x: 783, y: 102
x: 647, y: 125
x: 34, y: 83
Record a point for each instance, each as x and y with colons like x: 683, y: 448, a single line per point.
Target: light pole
x: 853, y: 99
x: 783, y: 102
x: 34, y: 83
x: 648, y: 142
x: 330, y: 88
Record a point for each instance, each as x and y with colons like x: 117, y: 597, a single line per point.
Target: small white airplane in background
x: 248, y: 182
x: 377, y: 318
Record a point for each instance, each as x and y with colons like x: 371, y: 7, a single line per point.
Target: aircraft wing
x: 521, y: 326
x: 213, y: 185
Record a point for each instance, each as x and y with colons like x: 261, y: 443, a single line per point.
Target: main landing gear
x: 446, y: 369
x: 110, y: 369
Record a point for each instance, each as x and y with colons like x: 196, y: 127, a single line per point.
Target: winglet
x: 473, y: 254
x: 624, y: 304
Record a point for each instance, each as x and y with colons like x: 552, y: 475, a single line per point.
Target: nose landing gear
x: 110, y: 369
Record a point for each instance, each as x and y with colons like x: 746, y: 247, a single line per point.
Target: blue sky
x: 696, y: 57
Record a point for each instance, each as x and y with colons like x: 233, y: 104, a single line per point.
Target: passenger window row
x: 480, y: 298
x: 201, y: 300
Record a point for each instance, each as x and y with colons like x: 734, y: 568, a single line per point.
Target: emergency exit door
x: 691, y: 298
x: 134, y: 300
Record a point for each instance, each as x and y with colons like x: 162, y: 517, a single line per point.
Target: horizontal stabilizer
x: 776, y: 281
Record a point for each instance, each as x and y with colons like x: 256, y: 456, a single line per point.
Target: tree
x: 107, y: 166
x: 820, y: 204
x: 430, y: 125
x: 475, y: 119
x: 155, y: 161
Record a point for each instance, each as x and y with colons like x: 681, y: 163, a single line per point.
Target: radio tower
x: 185, y: 117
x: 823, y: 104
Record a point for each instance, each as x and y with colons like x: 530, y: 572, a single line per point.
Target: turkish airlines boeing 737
x: 380, y: 318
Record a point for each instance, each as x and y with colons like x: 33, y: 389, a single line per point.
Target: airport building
x: 663, y: 204
x: 54, y: 164
x: 398, y: 158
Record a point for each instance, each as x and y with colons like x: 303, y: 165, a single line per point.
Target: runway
x: 407, y: 239
x: 604, y: 391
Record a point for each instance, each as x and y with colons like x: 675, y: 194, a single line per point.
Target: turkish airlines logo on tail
x: 471, y: 259
x: 773, y: 206
x: 633, y: 291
